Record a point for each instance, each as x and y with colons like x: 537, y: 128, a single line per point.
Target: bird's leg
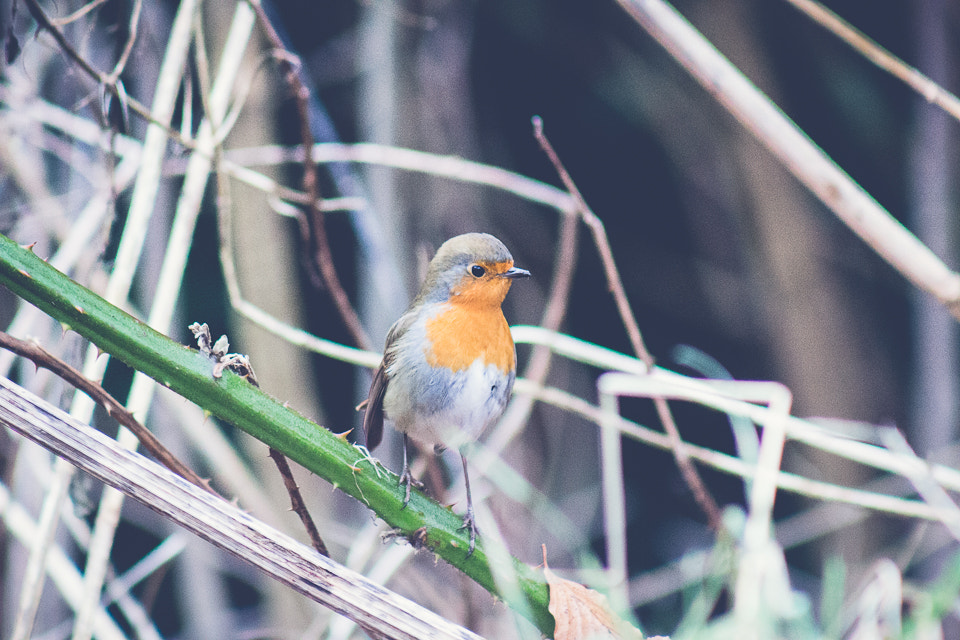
x: 468, y: 520
x: 406, y: 478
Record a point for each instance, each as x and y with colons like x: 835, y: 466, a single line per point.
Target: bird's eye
x: 477, y: 271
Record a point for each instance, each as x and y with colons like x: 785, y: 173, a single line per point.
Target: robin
x: 449, y: 361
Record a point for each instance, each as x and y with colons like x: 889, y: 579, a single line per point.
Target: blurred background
x: 729, y: 263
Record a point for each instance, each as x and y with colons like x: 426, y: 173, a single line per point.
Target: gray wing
x: 373, y: 416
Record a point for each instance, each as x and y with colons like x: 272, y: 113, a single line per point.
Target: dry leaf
x: 583, y: 614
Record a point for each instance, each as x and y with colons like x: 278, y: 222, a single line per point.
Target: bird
x: 449, y: 361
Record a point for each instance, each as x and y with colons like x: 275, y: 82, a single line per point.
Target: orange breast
x: 461, y: 333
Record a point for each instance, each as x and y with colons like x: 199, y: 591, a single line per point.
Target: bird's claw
x: 407, y: 479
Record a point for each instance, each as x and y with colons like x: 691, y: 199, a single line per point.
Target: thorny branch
x: 296, y: 501
x: 240, y: 365
x: 312, y: 226
x: 687, y: 469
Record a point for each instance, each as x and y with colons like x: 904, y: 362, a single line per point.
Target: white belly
x: 451, y: 409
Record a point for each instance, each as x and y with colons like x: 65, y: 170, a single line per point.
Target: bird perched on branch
x: 449, y: 361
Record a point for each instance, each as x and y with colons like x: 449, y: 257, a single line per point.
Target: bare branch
x: 690, y: 475
x: 131, y: 39
x: 43, y: 358
x: 296, y: 500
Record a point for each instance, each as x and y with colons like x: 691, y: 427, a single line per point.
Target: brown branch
x: 312, y: 227
x: 296, y: 501
x: 109, y: 84
x: 43, y: 358
x: 700, y: 492
x: 614, y: 281
x: 565, y: 261
x: 44, y: 22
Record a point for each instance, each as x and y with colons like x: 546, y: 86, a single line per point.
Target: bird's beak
x: 514, y: 272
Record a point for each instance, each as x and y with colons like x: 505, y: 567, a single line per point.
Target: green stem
x: 235, y: 401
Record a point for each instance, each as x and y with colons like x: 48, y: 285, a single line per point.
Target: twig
x: 237, y: 161
x: 131, y: 39
x: 44, y: 22
x: 313, y: 229
x: 930, y: 90
x: 444, y: 166
x: 76, y: 15
x: 922, y: 479
x: 104, y: 79
x: 700, y: 492
x: 43, y: 358
x: 603, y: 246
x: 565, y: 259
x: 296, y: 501
x: 226, y: 258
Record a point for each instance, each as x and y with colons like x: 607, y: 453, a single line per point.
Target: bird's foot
x: 407, y: 480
